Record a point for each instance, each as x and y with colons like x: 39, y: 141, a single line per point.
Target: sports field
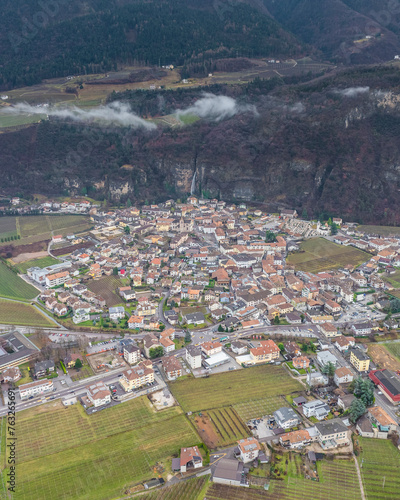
x: 319, y: 254
x: 14, y: 287
x: 65, y: 454
x: 106, y: 287
x: 239, y: 386
x: 380, y: 463
x: 19, y: 313
x: 337, y: 480
x: 43, y: 262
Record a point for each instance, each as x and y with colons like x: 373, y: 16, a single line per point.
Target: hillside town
x: 204, y: 289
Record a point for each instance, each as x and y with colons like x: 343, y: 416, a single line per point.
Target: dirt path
x: 23, y: 257
x: 363, y: 497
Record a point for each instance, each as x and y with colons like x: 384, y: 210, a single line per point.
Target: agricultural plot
x: 239, y: 386
x: 319, y: 254
x: 394, y: 349
x: 7, y: 227
x: 106, y: 287
x: 338, y: 479
x: 380, y: 462
x: 259, y: 407
x: 44, y: 224
x: 14, y: 287
x: 91, y: 456
x: 185, y: 490
x: 42, y: 262
x: 380, y: 230
x: 394, y: 280
x: 19, y: 313
x: 220, y: 427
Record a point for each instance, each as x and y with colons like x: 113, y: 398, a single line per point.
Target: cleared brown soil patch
x: 23, y: 257
x: 206, y: 430
x: 382, y: 357
x: 38, y: 246
x: 70, y: 249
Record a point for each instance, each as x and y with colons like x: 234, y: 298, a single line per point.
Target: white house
x: 131, y: 354
x: 249, y: 449
x: 98, y: 393
x: 116, y: 313
x: 193, y: 356
x: 316, y: 408
x: 35, y: 388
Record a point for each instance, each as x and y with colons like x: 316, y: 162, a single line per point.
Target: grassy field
x: 393, y: 279
x: 191, y: 489
x: 105, y: 287
x: 238, y: 386
x: 43, y: 262
x: 320, y: 254
x: 14, y: 287
x: 381, y: 230
x: 7, y: 227
x: 18, y: 313
x: 380, y: 463
x: 259, y: 407
x: 394, y: 349
x: 338, y: 479
x: 60, y: 224
x: 65, y: 454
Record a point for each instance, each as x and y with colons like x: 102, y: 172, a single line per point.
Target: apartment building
x: 33, y: 389
x: 137, y: 376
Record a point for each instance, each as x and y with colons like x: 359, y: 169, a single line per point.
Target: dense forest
x: 338, y: 28
x: 329, y: 145
x: 36, y: 44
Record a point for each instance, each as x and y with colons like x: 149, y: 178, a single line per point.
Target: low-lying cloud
x: 215, y: 108
x: 115, y: 113
x: 353, y: 91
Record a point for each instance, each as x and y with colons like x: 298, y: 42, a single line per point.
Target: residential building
x: 343, y: 375
x: 167, y: 344
x: 301, y: 362
x: 286, y: 418
x: 196, y: 318
x: 11, y: 374
x: 56, y: 279
x: 172, y: 367
x: 42, y: 368
x: 98, y: 393
x: 249, y: 449
x: 238, y: 347
x: 190, y: 458
x: 381, y: 420
x: 35, y: 388
x: 317, y: 409
x: 332, y: 434
x: 149, y: 342
x: 359, y: 360
x: 116, y: 313
x: 210, y: 348
x: 296, y: 439
x: 266, y: 352
x: 137, y: 376
x: 325, y: 357
x: 131, y: 354
x: 193, y: 356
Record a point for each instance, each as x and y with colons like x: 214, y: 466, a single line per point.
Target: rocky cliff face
x: 324, y: 148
